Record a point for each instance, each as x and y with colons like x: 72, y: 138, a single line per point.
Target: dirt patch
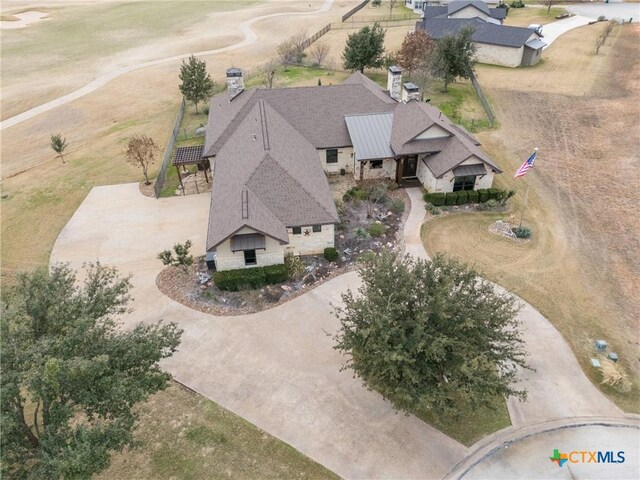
x: 147, y: 190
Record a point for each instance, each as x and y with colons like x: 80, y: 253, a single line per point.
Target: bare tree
x: 141, y: 152
x: 549, y: 4
x: 58, y: 144
x: 392, y: 5
x: 269, y: 72
x: 291, y: 51
x: 319, y: 52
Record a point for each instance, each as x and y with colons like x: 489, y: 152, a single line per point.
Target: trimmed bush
x: 295, y: 267
x: 495, y: 194
x: 437, y: 199
x: 451, y: 198
x: 462, y: 197
x: 276, y: 274
x: 397, y: 206
x: 331, y: 254
x: 522, y: 232
x: 473, y: 196
x: 234, y: 280
x: 377, y: 229
x: 483, y: 195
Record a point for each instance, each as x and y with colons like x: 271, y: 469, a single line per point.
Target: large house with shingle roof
x: 496, y: 44
x: 271, y: 150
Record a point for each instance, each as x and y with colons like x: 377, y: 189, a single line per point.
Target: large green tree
x: 197, y: 84
x: 71, y: 374
x: 364, y: 49
x: 430, y: 334
x: 454, y: 56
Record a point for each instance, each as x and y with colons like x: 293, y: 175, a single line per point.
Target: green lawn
x: 471, y: 424
x: 182, y: 435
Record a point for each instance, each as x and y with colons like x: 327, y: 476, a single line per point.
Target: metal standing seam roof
x: 371, y: 135
x: 535, y: 44
x: 467, y: 170
x: 188, y: 155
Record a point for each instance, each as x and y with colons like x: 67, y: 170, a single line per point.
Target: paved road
x: 613, y: 10
x: 245, y: 27
x: 278, y: 369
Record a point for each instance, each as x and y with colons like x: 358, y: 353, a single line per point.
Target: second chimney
x: 394, y: 82
x: 410, y: 91
x: 235, y: 82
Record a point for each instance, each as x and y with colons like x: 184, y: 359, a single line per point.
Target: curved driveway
x: 278, y: 368
x: 245, y: 27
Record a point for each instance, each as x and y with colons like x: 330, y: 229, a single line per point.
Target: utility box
x: 601, y: 345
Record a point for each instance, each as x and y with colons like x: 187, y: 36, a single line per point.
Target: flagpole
x: 526, y: 196
x: 524, y: 205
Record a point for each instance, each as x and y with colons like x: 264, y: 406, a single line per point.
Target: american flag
x: 524, y: 168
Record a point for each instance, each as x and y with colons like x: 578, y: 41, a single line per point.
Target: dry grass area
x: 582, y: 267
x: 183, y: 435
x: 523, y: 17
x: 38, y: 202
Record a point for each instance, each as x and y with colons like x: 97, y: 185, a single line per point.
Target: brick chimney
x: 394, y: 82
x: 235, y: 82
x: 410, y: 91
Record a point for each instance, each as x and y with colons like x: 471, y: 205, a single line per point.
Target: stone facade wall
x: 388, y: 170
x: 345, y: 160
x: 312, y: 244
x: 445, y: 184
x: 228, y: 260
x: 499, y: 55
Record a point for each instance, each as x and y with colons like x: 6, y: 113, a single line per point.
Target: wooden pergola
x: 190, y: 156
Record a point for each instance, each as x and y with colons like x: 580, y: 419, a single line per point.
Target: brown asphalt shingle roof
x: 278, y: 168
x: 317, y: 113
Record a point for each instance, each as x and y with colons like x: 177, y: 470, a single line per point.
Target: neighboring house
x: 496, y: 44
x: 270, y: 151
x: 467, y: 9
x: 415, y: 5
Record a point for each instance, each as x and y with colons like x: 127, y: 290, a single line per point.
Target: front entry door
x: 410, y: 166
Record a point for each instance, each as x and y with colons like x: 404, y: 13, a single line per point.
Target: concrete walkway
x: 552, y: 31
x: 278, y: 368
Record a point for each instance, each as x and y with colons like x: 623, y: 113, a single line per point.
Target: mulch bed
x: 184, y: 286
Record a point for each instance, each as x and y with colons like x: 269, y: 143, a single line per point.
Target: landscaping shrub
x: 391, y: 186
x: 182, y: 257
x: 356, y: 193
x: 451, y: 198
x: 276, y: 274
x: 463, y: 197
x: 205, y: 110
x: 517, y: 4
x: 522, y: 232
x: 397, y: 206
x: 234, y: 280
x: 436, y: 199
x: 331, y: 254
x: 473, y: 196
x: 483, y: 195
x: 495, y: 194
x: 294, y: 267
x: 362, y: 233
x: 432, y: 210
x: 377, y: 229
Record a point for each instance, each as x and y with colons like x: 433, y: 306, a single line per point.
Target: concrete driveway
x: 612, y: 10
x: 278, y: 368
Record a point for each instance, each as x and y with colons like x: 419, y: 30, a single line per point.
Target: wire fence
x: 355, y: 9
x: 384, y: 18
x: 483, y: 100
x: 168, y: 153
x: 385, y: 23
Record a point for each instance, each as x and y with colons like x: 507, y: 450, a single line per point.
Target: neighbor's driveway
x: 278, y: 368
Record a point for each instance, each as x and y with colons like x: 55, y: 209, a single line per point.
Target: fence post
x: 483, y: 100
